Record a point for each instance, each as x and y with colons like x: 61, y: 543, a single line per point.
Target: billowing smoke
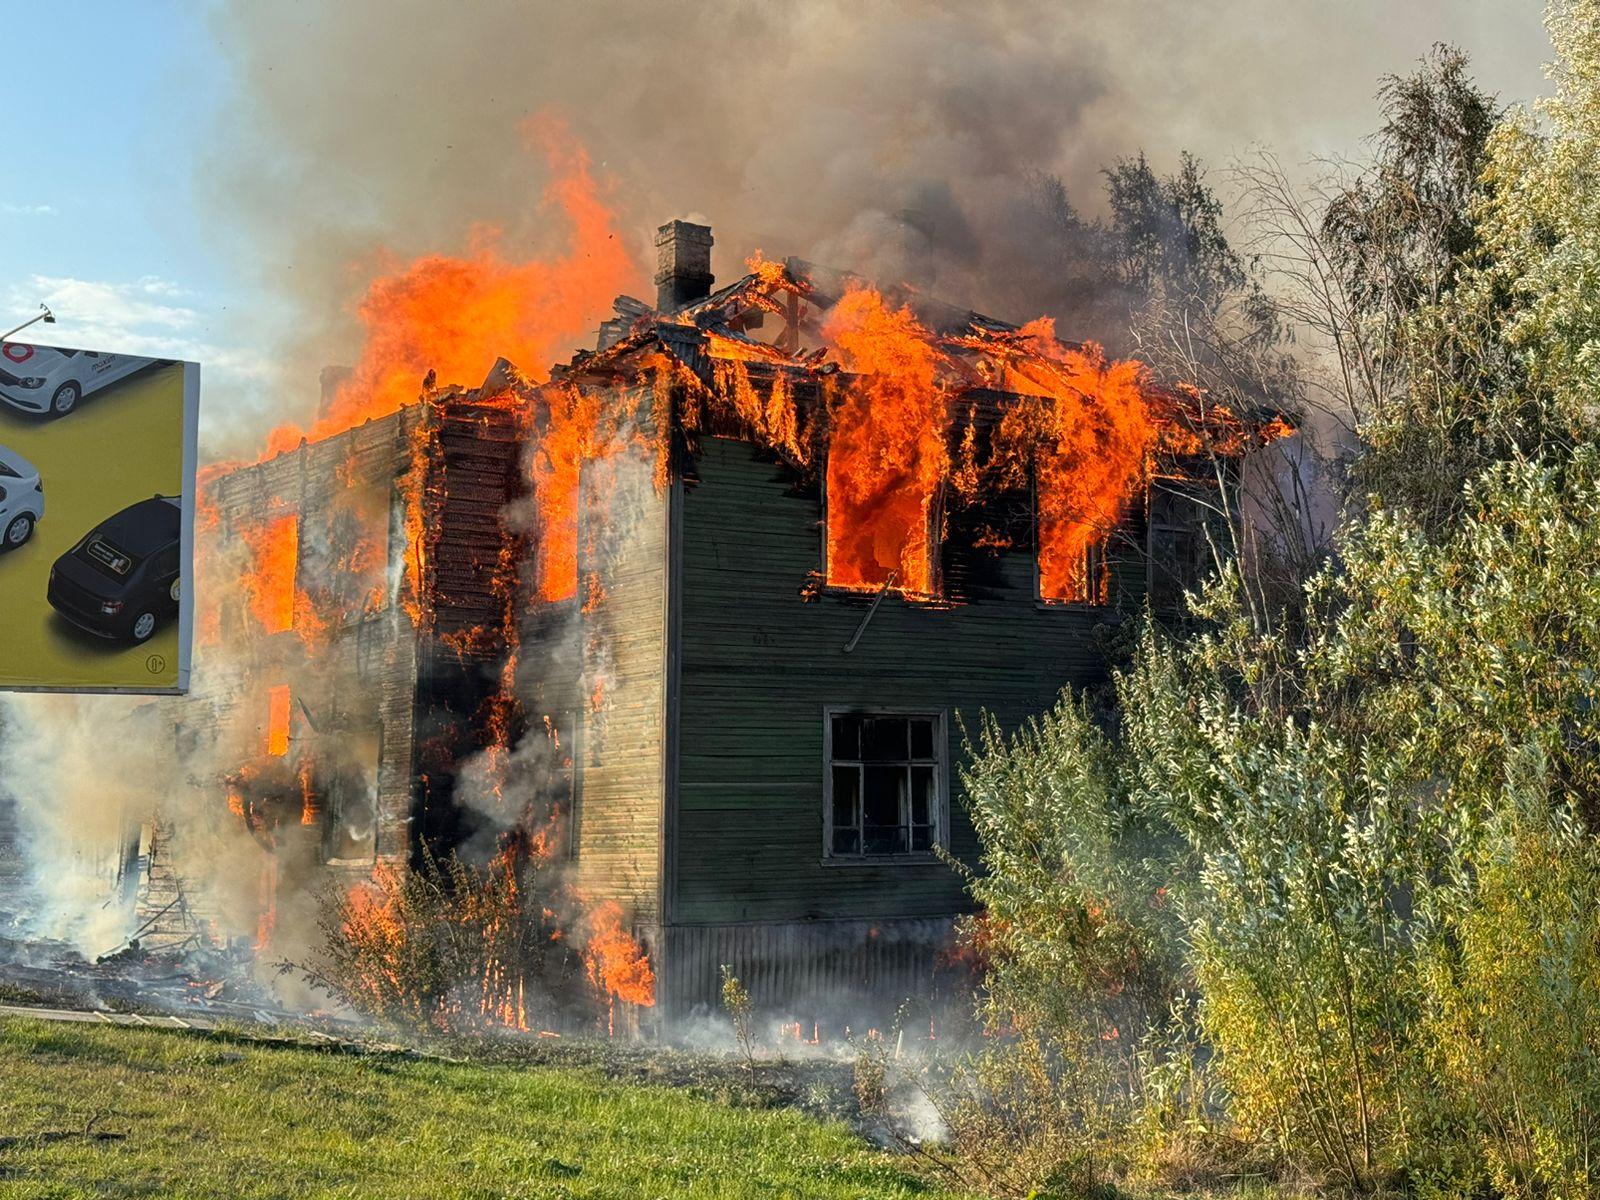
x: 87, y: 778
x: 839, y: 131
x: 81, y: 783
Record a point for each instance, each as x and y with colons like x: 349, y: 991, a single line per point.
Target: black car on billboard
x: 122, y: 578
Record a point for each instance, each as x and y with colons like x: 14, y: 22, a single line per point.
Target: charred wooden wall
x: 470, y: 562
x: 361, y: 672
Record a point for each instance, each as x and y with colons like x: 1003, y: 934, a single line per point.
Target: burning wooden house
x: 701, y: 615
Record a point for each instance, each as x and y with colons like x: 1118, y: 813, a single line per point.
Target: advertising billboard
x: 97, y: 468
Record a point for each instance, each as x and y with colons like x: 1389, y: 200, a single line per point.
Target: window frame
x: 334, y: 814
x: 1195, y: 495
x: 939, y: 836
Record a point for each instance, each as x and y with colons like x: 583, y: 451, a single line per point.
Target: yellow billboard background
x: 120, y: 445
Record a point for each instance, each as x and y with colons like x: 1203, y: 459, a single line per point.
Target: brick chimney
x: 683, y: 265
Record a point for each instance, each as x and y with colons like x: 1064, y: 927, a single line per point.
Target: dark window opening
x: 350, y: 835
x: 884, y: 785
x: 1179, y: 553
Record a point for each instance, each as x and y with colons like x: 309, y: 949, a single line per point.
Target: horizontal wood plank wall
x: 759, y: 664
x: 622, y: 541
x: 362, y: 677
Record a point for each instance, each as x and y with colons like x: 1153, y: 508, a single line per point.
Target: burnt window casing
x: 884, y: 791
x: 1090, y: 584
x: 350, y: 834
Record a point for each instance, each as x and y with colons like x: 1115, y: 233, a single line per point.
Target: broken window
x: 884, y: 792
x: 880, y: 532
x: 344, y: 554
x: 1071, y: 566
x: 269, y: 579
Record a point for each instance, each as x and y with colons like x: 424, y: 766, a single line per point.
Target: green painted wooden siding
x: 758, y: 666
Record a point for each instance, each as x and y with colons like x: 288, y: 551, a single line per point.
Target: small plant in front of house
x: 741, y: 1011
x: 871, y: 1081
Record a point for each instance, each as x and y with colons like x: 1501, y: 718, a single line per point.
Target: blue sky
x: 102, y: 219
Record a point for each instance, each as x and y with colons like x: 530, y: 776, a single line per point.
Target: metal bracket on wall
x: 876, y: 600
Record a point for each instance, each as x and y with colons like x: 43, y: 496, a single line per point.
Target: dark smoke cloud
x: 798, y: 127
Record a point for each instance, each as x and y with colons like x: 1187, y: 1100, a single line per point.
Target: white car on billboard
x: 21, y: 499
x: 51, y: 381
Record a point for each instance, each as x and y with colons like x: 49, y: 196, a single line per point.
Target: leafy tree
x: 1379, y: 823
x: 1402, y: 228
x: 1166, y: 235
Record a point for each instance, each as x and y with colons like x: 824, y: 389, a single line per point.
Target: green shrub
x: 1514, y: 997
x: 740, y: 1008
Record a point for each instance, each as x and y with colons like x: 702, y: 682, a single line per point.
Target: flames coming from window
x: 887, y: 447
x: 278, y: 720
x: 1092, y: 430
x: 269, y: 584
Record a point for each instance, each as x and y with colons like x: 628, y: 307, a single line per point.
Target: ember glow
x: 887, y: 455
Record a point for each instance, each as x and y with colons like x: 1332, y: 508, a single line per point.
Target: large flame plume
x: 456, y: 316
x: 887, y: 452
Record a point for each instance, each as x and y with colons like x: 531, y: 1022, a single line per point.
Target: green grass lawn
x: 230, y: 1117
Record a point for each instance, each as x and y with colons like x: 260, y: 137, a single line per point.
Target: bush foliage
x: 1320, y: 884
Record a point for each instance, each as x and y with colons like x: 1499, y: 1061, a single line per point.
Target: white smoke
x: 82, y: 780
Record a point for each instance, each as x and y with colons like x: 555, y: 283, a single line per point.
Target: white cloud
x: 150, y: 316
x: 27, y: 210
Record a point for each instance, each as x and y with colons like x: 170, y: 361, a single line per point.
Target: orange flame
x: 269, y: 584
x: 278, y: 720
x: 887, y: 454
x: 567, y: 420
x: 1094, y: 432
x: 618, y: 965
x: 455, y: 316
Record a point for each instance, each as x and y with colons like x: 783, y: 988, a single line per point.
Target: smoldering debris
x: 200, y: 983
